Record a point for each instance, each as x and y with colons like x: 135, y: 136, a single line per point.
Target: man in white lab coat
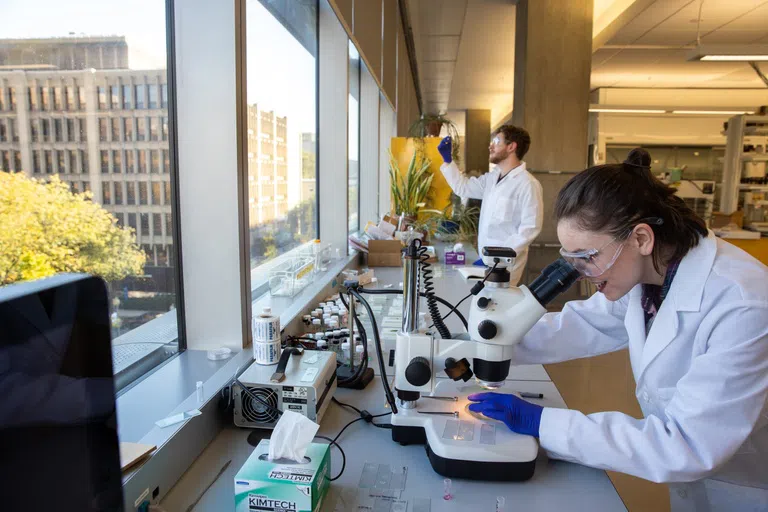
x: 512, y: 211
x: 693, y: 311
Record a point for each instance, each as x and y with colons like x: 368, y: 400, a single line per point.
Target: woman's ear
x: 645, y: 239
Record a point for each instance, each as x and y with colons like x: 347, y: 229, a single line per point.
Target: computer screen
x: 59, y: 448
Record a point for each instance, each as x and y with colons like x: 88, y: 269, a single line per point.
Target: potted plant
x: 430, y: 125
x: 410, y: 189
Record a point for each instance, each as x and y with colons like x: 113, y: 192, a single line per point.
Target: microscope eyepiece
x: 555, y: 279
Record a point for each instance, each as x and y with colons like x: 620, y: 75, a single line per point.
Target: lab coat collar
x: 685, y: 294
x: 514, y: 172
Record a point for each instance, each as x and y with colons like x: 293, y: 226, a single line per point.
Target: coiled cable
x: 429, y: 291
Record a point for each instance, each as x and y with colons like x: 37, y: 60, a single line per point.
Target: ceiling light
x: 729, y: 52
x: 713, y: 112
x: 628, y: 110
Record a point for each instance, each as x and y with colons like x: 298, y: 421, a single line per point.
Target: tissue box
x: 283, y: 485
x: 455, y: 258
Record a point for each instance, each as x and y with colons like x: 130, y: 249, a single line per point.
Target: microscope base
x: 486, y: 471
x: 408, y: 435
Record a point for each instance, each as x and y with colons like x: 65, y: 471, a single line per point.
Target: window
x: 142, y: 192
x: 102, y: 129
x: 142, y: 162
x: 32, y: 92
x: 140, y: 91
x: 104, y: 161
x: 129, y: 162
x: 164, y: 96
x: 120, y: 217
x: 3, y: 132
x: 61, y: 160
x: 74, y: 186
x: 165, y: 128
x: 13, y: 129
x: 167, y: 192
x: 5, y: 164
x: 101, y: 92
x: 58, y: 100
x: 353, y: 109
x: 154, y: 162
x: 132, y: 221
x: 126, y: 97
x: 162, y: 256
x: 115, y: 87
x: 83, y: 162
x: 156, y: 193
x: 141, y: 128
x: 118, y: 192
x: 69, y: 92
x: 154, y: 128
x: 157, y: 224
x: 71, y: 136
x: 48, y: 162
x: 45, y: 101
x: 128, y: 128
x: 144, y: 224
x: 168, y: 225
x: 17, y: 161
x: 106, y: 197
x: 12, y: 95
x: 130, y: 193
x: 58, y: 130
x: 116, y: 162
x: 166, y: 162
x: 114, y: 95
x: 152, y: 89
x: 148, y: 250
x: 83, y: 131
x: 275, y: 111
x: 115, y: 129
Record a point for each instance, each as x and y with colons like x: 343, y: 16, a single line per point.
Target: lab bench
x: 555, y: 485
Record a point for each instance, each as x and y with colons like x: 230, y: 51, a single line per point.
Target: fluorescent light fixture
x: 713, y: 112
x: 627, y: 110
x: 729, y: 52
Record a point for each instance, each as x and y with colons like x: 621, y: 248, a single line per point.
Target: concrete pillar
x: 477, y: 136
x: 553, y: 56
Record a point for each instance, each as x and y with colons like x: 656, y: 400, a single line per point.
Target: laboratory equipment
x: 459, y: 444
x: 304, y: 384
x: 447, y: 491
x: 291, y: 276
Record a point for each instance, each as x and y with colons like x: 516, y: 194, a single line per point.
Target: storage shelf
x: 754, y: 157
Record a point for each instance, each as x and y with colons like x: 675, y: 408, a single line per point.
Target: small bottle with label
x: 344, y: 357
x: 359, y: 355
x: 316, y: 325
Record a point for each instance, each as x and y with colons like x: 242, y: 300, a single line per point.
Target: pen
x: 525, y: 394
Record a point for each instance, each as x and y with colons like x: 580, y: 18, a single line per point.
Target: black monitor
x: 59, y: 448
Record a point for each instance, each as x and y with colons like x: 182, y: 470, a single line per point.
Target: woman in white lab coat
x: 693, y: 311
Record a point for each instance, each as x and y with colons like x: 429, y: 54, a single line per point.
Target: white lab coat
x: 512, y: 211
x: 701, y: 375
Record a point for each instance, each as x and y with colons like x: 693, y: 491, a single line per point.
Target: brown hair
x: 515, y: 134
x: 615, y: 198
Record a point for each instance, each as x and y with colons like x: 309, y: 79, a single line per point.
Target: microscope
x: 434, y: 376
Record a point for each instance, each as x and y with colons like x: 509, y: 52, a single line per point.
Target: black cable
x: 382, y: 370
x: 346, y: 427
x: 429, y: 289
x: 343, y: 456
x: 342, y: 404
x: 455, y: 308
x: 350, y: 381
x: 400, y: 292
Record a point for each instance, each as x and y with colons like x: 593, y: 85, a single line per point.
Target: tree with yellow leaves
x: 46, y: 229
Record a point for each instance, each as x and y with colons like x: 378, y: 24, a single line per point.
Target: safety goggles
x: 592, y: 263
x: 496, y: 141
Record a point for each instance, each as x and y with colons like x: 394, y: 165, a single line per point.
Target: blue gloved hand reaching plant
x: 445, y: 148
x: 517, y: 414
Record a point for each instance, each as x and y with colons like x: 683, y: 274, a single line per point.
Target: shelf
x: 754, y: 157
x: 753, y: 187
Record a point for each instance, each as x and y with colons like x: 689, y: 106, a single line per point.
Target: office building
x: 267, y: 166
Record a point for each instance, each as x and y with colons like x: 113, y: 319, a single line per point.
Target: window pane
x: 5, y: 161
x: 167, y: 192
x: 141, y: 128
x: 281, y: 116
x: 144, y: 224
x: 154, y: 128
x: 156, y: 193
x: 132, y: 221
x: 17, y: 161
x: 3, y: 132
x: 95, y: 81
x: 354, y: 138
x: 13, y: 129
x: 157, y: 224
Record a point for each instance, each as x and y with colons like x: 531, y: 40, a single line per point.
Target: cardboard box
x: 384, y: 253
x: 455, y: 258
x: 283, y: 485
x: 720, y: 219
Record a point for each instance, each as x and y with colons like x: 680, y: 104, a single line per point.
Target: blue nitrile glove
x: 479, y: 263
x: 520, y: 416
x: 444, y: 148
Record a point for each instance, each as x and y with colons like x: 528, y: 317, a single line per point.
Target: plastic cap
x: 359, y: 349
x: 266, y: 311
x: 345, y: 345
x: 316, y: 321
x: 322, y: 343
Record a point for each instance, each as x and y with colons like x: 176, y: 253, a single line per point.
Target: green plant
x: 410, y: 190
x: 430, y: 125
x: 456, y: 223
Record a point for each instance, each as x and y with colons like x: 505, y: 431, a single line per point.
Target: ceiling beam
x: 634, y: 9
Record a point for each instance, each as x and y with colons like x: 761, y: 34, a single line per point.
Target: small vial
x: 500, y: 501
x: 447, y: 491
x: 322, y: 344
x: 316, y: 326
x: 345, y: 352
x: 359, y: 355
